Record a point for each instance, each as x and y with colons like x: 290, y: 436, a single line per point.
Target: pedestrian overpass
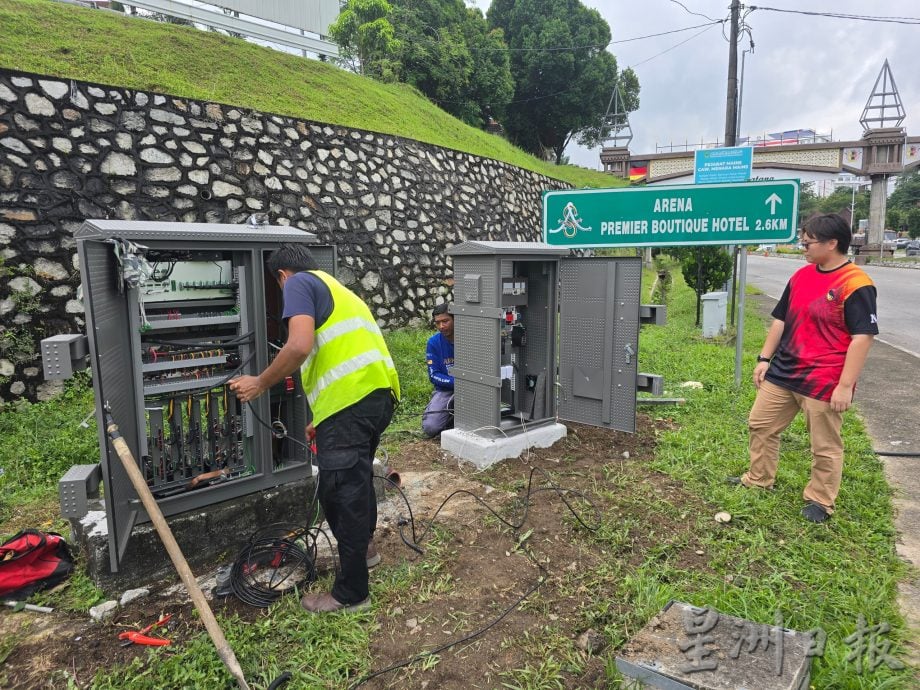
x: 814, y: 160
x: 884, y: 150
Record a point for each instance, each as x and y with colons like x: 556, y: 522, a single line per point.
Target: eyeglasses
x: 808, y: 243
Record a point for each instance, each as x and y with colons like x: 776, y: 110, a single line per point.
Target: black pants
x: 345, y: 446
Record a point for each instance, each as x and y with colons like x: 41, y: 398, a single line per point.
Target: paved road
x: 887, y: 399
x: 898, y: 296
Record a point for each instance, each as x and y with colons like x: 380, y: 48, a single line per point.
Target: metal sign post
x: 739, y: 329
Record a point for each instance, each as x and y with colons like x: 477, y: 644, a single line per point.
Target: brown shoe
x: 326, y: 603
x: 373, y: 558
x: 736, y: 481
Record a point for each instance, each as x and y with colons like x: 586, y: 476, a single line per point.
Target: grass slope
x: 98, y: 46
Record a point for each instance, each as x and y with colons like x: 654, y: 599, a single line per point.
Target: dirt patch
x: 565, y: 561
x: 73, y: 643
x: 488, y: 567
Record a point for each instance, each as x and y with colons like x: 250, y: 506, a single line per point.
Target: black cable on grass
x: 282, y: 557
x: 289, y: 540
x: 315, y: 502
x: 257, y: 594
x: 402, y: 522
x: 277, y: 560
x: 453, y: 643
x: 529, y: 492
x: 280, y: 680
x: 514, y: 526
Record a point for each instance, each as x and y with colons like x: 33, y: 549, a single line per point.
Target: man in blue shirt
x: 439, y: 415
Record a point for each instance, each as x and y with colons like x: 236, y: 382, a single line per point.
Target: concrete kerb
x: 484, y: 452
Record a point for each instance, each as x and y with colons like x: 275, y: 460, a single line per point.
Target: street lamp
x: 853, y: 209
x: 854, y: 185
x: 741, y: 89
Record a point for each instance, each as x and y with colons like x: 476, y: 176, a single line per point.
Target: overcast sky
x: 806, y: 72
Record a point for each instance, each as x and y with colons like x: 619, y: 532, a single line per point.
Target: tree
x: 906, y: 194
x: 562, y: 71
x: 366, y: 39
x: 913, y: 223
x: 448, y: 53
x: 809, y: 202
x: 840, y: 201
x: 708, y: 266
x: 492, y: 86
x: 893, y: 219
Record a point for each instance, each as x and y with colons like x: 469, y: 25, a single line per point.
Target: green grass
x: 39, y: 443
x: 767, y: 559
x: 318, y: 654
x: 91, y: 45
x: 407, y: 346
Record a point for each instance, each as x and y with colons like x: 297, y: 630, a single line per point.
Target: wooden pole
x: 175, y: 553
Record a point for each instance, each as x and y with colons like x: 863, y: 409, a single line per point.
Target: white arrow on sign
x: 773, y: 200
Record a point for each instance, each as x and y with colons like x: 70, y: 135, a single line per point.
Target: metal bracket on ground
x: 76, y: 487
x: 64, y: 354
x: 654, y: 314
x: 650, y: 383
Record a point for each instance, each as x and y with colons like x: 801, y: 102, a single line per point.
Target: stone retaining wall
x: 73, y: 150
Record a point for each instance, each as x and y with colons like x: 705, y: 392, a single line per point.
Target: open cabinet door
x: 111, y: 355
x: 599, y: 341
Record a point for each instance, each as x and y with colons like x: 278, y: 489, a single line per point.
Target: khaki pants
x: 773, y: 410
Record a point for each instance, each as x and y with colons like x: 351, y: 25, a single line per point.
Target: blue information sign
x: 728, y: 164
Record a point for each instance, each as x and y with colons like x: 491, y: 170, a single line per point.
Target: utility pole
x: 731, y: 135
x: 731, y: 102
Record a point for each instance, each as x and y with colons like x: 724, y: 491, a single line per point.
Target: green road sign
x: 734, y: 213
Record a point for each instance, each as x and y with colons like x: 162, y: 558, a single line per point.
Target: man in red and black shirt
x: 814, y: 352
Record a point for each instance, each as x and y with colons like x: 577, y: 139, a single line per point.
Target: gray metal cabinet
x: 162, y: 353
x: 539, y: 335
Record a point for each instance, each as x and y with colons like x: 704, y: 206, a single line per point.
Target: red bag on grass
x: 32, y: 561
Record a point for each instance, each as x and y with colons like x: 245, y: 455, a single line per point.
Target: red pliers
x: 140, y: 637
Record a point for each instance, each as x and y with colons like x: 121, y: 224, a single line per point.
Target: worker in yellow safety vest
x: 352, y: 389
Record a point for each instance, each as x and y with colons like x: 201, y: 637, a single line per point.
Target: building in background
x: 299, y: 24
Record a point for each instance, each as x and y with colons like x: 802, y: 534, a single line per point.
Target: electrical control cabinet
x: 540, y: 335
x: 174, y: 311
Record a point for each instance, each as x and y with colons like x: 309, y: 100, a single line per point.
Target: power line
x: 598, y: 46
x: 559, y: 93
x: 668, y: 50
x: 665, y: 33
x: 689, y: 11
x: 911, y: 21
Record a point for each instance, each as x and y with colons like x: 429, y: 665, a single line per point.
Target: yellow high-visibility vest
x: 349, y: 358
